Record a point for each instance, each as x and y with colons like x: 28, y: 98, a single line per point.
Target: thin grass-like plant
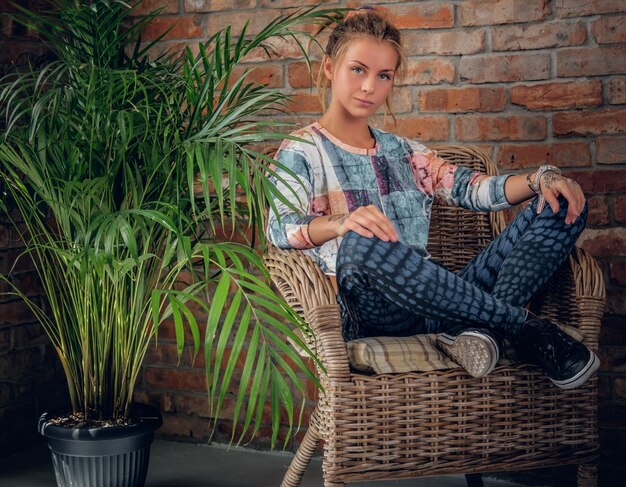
x: 121, y: 168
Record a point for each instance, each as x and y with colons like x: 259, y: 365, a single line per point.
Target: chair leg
x: 301, y: 460
x: 474, y: 480
x: 588, y: 475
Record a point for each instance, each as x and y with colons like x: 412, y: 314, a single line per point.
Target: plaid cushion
x: 385, y: 355
x: 415, y: 353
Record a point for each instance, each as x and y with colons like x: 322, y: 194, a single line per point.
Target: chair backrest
x: 458, y: 235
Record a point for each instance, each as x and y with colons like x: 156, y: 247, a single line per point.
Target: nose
x: 368, y: 85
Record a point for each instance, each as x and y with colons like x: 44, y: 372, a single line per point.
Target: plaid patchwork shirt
x: 399, y: 176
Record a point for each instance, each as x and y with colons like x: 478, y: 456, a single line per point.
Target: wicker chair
x: 395, y: 426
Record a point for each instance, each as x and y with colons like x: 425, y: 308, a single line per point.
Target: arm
x: 367, y: 221
x: 286, y: 228
x: 550, y: 185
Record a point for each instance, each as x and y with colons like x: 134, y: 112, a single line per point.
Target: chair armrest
x: 590, y: 294
x: 575, y: 296
x: 309, y: 292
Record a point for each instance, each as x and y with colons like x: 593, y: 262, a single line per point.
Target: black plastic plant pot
x: 111, y: 456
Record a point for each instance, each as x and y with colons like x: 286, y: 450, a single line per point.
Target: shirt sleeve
x: 286, y: 228
x: 457, y: 185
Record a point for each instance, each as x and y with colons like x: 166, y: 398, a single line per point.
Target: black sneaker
x: 475, y: 349
x: 566, y: 361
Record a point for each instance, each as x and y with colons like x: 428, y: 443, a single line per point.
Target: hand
x: 367, y: 221
x: 552, y: 185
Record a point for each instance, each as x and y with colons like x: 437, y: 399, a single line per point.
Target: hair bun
x: 359, y: 11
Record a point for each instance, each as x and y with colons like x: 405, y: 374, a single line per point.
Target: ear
x: 328, y: 68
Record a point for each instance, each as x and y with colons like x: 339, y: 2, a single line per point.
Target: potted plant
x: 123, y: 168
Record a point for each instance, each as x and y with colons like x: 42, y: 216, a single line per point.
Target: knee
x: 362, y: 254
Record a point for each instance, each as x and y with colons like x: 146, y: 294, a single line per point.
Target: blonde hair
x: 359, y: 24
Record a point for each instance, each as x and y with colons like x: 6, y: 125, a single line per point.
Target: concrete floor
x: 174, y: 464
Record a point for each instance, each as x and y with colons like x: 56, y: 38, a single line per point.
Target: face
x: 362, y: 78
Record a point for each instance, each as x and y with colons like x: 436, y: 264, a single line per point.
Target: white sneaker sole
x: 477, y: 353
x: 579, y: 379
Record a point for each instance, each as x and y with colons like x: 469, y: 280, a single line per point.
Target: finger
x: 571, y: 192
x: 378, y: 226
x: 552, y: 200
x: 377, y: 217
x: 366, y: 227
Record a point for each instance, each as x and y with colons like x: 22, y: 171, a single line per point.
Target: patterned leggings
x: 387, y: 288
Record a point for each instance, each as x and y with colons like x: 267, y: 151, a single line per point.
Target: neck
x: 350, y: 130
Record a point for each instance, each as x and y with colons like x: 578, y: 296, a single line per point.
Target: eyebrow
x: 367, y: 67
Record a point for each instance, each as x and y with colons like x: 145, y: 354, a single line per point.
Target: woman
x: 364, y: 199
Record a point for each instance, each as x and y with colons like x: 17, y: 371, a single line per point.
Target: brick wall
x: 525, y: 81
x: 31, y: 379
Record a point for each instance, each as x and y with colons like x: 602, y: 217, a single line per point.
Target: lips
x: 364, y: 102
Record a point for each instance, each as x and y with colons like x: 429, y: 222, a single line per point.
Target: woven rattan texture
x: 443, y: 422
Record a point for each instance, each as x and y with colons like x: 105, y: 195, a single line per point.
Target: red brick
x: 556, y: 96
x: 423, y: 128
x: 427, y: 72
x: 607, y: 121
x: 281, y: 49
x: 538, y: 36
x: 431, y: 15
x: 613, y: 331
x: 5, y: 394
x: 491, y: 12
x: 620, y: 386
x: 176, y: 27
x: 165, y: 353
x: 509, y: 67
x: 16, y: 363
x: 12, y: 50
x: 214, y: 5
x: 175, y: 379
x: 444, y: 43
x: 29, y: 335
x: 611, y: 150
x: 265, y: 74
x: 14, y: 313
x: 590, y: 61
x: 563, y: 154
x: 460, y: 100
x: 519, y: 127
x: 197, y: 406
x: 619, y: 208
x: 604, y: 387
x: 5, y: 231
x: 616, y: 91
x: 600, y: 180
x: 618, y: 272
x: 615, y: 301
x: 168, y: 6
x: 305, y: 103
x: 401, y: 100
x: 299, y: 76
x: 578, y: 8
x: 288, y: 3
x: 184, y: 427
x: 609, y: 30
x: 257, y: 21
x: 604, y: 243
x: 598, y: 211
x: 5, y: 339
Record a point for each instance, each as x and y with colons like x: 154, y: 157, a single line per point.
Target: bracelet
x: 535, y: 185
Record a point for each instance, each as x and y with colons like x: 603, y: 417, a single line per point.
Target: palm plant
x: 122, y: 167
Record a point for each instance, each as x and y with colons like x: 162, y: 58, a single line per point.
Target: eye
x: 384, y: 76
x: 357, y: 70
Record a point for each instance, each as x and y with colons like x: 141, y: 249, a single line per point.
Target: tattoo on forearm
x: 548, y: 179
x: 340, y: 218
